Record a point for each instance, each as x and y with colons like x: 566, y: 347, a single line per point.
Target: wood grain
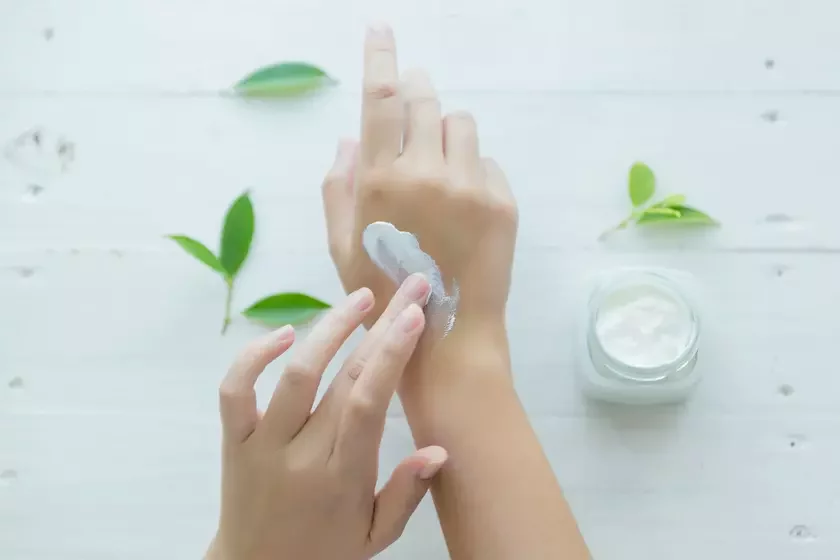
x: 109, y: 348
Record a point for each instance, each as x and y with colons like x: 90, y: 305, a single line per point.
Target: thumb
x: 402, y: 494
x: 337, y: 192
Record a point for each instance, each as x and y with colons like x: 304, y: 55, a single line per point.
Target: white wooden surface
x: 109, y: 348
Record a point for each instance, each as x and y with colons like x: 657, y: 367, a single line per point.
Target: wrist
x: 476, y: 350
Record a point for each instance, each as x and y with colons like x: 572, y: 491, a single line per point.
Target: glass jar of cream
x: 639, y: 338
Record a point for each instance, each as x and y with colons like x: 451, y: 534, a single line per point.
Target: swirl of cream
x: 398, y: 254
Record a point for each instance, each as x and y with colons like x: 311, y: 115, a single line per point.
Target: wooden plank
x: 146, y: 167
x: 642, y: 484
x: 140, y: 333
x: 109, y: 347
x: 188, y: 47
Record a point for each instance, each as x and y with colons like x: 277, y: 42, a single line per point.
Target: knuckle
x: 228, y: 392
x: 382, y: 88
x: 505, y: 211
x: 334, y: 180
x: 355, y: 368
x: 361, y: 408
x: 298, y: 373
x: 374, y: 186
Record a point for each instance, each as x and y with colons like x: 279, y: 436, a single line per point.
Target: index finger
x: 237, y: 399
x: 292, y: 401
x: 363, y: 420
x: 382, y: 113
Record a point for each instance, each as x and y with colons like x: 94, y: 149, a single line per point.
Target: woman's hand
x: 300, y: 484
x: 425, y: 175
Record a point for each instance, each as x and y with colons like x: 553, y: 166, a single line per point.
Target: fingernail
x: 380, y: 29
x: 418, y: 288
x: 410, y: 318
x: 362, y: 299
x: 435, y: 459
x: 284, y: 334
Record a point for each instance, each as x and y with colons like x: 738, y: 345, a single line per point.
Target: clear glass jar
x: 604, y: 375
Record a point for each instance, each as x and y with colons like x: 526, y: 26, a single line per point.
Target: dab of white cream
x: 644, y: 326
x: 398, y: 254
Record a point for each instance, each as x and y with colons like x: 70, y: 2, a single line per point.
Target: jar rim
x: 643, y: 374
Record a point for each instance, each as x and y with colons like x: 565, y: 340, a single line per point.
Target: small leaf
x: 671, y: 201
x: 285, y: 309
x: 237, y: 234
x: 662, y: 211
x: 283, y: 80
x: 199, y: 251
x: 687, y: 216
x: 641, y: 183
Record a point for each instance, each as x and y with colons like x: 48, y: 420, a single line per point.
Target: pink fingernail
x: 284, y: 334
x: 436, y: 457
x: 362, y: 299
x: 418, y: 288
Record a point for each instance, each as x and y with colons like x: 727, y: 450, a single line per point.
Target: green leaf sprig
x: 672, y: 209
x: 286, y: 79
x: 235, y: 244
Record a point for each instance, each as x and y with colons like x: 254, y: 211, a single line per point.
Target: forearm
x: 498, y: 497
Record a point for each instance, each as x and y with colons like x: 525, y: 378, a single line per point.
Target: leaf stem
x: 624, y: 223
x: 228, y: 299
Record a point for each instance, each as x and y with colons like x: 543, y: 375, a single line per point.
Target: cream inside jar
x: 643, y: 325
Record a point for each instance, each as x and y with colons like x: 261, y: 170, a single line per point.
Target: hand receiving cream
x: 398, y: 254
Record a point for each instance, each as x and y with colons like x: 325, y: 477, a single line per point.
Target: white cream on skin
x: 398, y: 254
x: 644, y: 326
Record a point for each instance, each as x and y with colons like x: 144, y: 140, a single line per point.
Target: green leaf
x: 237, y: 234
x: 285, y: 309
x: 199, y: 251
x: 662, y: 211
x: 641, y: 183
x: 671, y: 201
x: 687, y: 216
x: 283, y: 80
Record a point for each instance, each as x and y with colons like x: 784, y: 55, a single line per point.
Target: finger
x: 337, y: 193
x: 423, y: 129
x: 415, y: 289
x: 460, y: 140
x: 295, y: 394
x: 382, y: 112
x: 237, y: 399
x: 363, y: 418
x: 401, y: 495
